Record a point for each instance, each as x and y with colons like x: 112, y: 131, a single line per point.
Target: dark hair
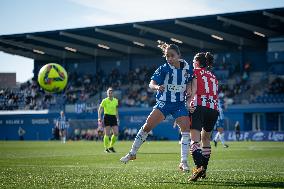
x: 205, y: 59
x: 164, y: 47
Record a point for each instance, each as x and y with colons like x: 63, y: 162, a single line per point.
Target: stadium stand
x: 133, y: 90
x: 274, y: 93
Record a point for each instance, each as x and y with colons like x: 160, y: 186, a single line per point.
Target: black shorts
x: 110, y: 120
x: 205, y: 118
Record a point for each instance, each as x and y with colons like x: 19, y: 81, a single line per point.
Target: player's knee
x: 205, y: 139
x: 115, y: 132
x: 206, y: 143
x: 149, y: 122
x: 220, y: 130
x: 183, y: 123
x: 147, y: 130
x: 195, y: 138
x: 184, y: 127
x: 147, y: 127
x: 107, y: 133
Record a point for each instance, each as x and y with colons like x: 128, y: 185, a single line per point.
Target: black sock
x: 196, y: 154
x: 206, y: 152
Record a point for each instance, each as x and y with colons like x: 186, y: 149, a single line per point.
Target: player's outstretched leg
x: 139, y: 140
x: 155, y: 117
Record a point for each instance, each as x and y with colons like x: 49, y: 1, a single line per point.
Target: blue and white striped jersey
x: 62, y: 123
x: 174, y: 80
x: 220, y: 108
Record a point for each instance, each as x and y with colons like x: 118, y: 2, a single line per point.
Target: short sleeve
x: 103, y: 103
x: 159, y: 75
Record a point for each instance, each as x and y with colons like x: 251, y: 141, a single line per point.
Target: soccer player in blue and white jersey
x: 171, y: 82
x: 219, y: 126
x: 62, y: 124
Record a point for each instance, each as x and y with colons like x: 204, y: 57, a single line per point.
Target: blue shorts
x: 176, y: 109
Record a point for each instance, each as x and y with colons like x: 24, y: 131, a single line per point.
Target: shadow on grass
x: 234, y: 183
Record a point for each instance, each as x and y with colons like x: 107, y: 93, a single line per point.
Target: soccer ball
x: 52, y: 77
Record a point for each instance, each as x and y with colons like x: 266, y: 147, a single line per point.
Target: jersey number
x: 214, y: 85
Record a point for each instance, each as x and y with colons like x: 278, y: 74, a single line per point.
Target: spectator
x: 237, y: 130
x: 77, y: 134
x: 21, y: 133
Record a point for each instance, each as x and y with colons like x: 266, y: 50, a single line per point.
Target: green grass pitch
x: 85, y: 165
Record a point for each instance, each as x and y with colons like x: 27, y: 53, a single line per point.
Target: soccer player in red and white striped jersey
x: 203, y: 102
x: 206, y: 94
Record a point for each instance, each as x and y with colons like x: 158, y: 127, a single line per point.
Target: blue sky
x: 19, y: 16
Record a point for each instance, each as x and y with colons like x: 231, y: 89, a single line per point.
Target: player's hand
x: 192, y: 109
x: 190, y: 106
x: 160, y: 88
x: 100, y: 122
x: 118, y: 122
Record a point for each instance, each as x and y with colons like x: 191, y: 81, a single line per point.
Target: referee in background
x: 111, y: 120
x: 62, y: 124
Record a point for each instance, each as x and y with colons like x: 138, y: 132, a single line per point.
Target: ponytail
x: 164, y: 47
x: 205, y: 59
x: 209, y: 60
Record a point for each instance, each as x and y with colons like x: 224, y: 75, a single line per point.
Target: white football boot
x: 128, y: 157
x: 183, y: 166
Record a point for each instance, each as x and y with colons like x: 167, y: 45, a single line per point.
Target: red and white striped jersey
x: 207, y: 89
